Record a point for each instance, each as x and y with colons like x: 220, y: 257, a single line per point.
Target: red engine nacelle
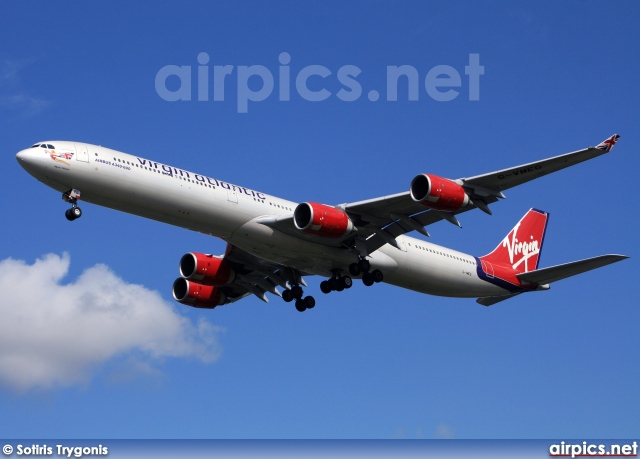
x: 438, y: 193
x: 322, y: 220
x: 206, y: 269
x: 197, y: 295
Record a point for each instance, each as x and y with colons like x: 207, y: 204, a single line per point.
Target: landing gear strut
x: 72, y: 197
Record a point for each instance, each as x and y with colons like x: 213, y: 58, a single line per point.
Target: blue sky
x: 376, y: 362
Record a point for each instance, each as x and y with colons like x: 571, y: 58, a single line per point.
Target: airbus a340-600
x: 272, y: 242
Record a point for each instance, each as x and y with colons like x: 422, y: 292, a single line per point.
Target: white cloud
x: 24, y: 104
x: 54, y: 334
x: 13, y: 97
x: 9, y: 71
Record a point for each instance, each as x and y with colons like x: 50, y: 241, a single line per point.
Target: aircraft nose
x: 29, y: 160
x: 22, y: 156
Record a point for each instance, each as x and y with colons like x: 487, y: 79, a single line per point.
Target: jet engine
x: 438, y: 193
x: 197, y: 295
x: 322, y: 220
x: 206, y: 269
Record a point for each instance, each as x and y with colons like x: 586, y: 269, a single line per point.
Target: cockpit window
x: 36, y: 145
x: 43, y: 146
x: 50, y: 147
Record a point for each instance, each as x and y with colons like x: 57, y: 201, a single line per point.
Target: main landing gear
x: 364, y: 267
x: 72, y: 197
x: 337, y: 283
x: 296, y: 293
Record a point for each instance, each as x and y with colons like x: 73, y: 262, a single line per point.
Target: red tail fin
x: 521, y: 248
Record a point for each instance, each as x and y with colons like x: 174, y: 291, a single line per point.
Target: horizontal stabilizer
x: 491, y: 300
x: 559, y: 272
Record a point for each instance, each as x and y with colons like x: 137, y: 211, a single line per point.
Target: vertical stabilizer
x: 521, y: 248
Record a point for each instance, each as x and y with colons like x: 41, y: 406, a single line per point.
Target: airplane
x: 273, y: 242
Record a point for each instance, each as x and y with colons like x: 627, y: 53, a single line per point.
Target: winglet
x: 608, y: 144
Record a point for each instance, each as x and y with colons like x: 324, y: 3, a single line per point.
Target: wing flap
x: 559, y: 272
x: 256, y: 276
x: 398, y: 226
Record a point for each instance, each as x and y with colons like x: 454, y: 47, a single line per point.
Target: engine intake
x: 197, y: 295
x: 206, y: 269
x: 321, y: 220
x: 438, y: 193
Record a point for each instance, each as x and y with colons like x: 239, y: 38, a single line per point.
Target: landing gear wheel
x: 309, y: 302
x: 296, y: 290
x: 346, y: 282
x: 300, y: 306
x: 354, y: 270
x: 287, y: 296
x: 367, y: 279
x: 377, y: 275
x: 325, y: 287
x: 364, y: 265
x: 73, y: 213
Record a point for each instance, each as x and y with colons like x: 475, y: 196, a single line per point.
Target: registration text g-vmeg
x: 257, y: 83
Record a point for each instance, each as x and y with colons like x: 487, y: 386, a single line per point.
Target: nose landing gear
x: 72, y: 197
x: 73, y: 213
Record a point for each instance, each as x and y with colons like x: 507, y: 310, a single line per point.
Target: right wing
x: 257, y: 276
x: 207, y: 281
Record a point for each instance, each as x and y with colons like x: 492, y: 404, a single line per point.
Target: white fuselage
x: 167, y: 194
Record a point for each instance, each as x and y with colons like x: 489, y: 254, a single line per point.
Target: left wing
x: 385, y: 218
x: 375, y: 222
x: 514, y: 176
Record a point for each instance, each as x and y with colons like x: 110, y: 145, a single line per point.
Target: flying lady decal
x: 60, y: 157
